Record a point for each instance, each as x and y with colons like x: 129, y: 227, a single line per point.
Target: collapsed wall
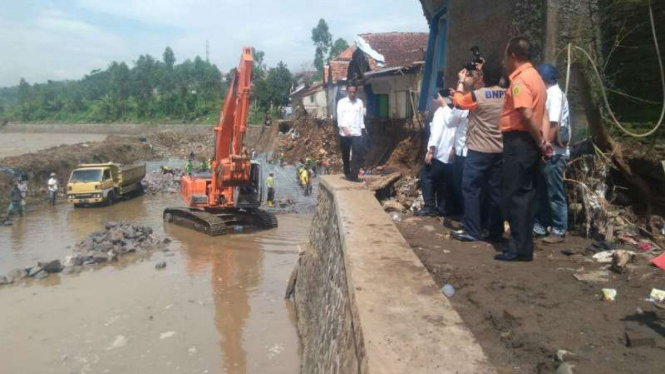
x: 366, y: 304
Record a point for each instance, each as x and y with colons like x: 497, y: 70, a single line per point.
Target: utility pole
x: 207, y: 51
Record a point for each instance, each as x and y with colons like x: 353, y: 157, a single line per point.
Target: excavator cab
x: 249, y: 196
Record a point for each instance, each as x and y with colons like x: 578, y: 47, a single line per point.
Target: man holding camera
x: 553, y: 209
x: 484, y: 161
x: 523, y: 124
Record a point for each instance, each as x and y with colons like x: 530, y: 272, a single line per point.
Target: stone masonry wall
x: 322, y: 300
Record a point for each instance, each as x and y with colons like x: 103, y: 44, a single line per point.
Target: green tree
x: 338, y: 47
x: 323, y: 42
x: 168, y: 57
x: 274, y: 90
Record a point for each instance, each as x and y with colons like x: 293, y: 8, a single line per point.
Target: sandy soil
x: 522, y: 313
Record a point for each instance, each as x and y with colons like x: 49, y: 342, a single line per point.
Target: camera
x: 477, y: 59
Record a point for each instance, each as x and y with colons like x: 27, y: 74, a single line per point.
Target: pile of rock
x: 161, y: 181
x: 115, y: 240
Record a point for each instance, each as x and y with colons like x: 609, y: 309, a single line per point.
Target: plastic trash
x: 657, y: 295
x: 396, y: 217
x: 448, y: 290
x: 237, y: 228
x: 609, y: 294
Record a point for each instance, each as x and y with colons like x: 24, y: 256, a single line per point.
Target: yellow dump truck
x: 104, y: 183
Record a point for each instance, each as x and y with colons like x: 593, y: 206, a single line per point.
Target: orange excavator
x: 231, y: 193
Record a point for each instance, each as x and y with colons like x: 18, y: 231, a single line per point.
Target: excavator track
x: 195, y: 219
x: 265, y: 220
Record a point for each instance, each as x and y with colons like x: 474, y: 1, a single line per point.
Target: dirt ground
x: 522, y: 313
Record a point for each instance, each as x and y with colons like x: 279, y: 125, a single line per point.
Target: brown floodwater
x: 217, y: 307
x: 14, y: 144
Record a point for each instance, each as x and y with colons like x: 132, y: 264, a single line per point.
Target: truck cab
x: 89, y: 185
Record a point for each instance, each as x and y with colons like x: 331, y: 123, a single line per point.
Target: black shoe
x: 512, y: 257
x: 426, y: 212
x: 463, y: 237
x: 354, y: 180
x: 496, y: 239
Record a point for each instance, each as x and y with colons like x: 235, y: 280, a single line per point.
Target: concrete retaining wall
x: 364, y: 301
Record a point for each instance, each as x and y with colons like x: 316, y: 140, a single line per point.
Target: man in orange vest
x: 523, y: 123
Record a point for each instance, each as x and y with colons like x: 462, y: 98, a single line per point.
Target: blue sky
x: 65, y: 39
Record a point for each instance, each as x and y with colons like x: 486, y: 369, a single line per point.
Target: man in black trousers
x: 351, y: 123
x: 523, y: 123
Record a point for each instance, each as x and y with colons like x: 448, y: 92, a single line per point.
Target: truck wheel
x: 78, y: 205
x: 110, y: 199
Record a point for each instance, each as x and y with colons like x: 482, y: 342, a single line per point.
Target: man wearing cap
x: 52, y: 185
x: 552, y: 206
x: 522, y: 126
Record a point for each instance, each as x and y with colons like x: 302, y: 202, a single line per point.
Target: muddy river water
x: 217, y: 307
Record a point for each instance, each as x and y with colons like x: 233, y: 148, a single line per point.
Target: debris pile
x: 163, y: 181
x: 178, y: 144
x: 115, y: 240
x: 309, y: 137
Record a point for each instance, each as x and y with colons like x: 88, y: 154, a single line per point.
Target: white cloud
x: 73, y: 39
x: 54, y: 45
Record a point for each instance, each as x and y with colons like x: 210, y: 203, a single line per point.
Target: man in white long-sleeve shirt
x: 351, y: 123
x: 437, y: 175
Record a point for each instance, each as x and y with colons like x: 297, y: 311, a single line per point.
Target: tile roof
x: 398, y: 48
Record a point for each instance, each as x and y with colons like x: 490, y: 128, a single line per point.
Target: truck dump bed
x: 123, y: 175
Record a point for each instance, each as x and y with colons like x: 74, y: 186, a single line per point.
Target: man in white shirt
x: 437, y: 175
x: 52, y: 185
x: 458, y: 154
x: 552, y: 205
x: 351, y: 123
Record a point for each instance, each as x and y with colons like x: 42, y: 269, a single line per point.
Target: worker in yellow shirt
x: 304, y: 180
x: 270, y: 183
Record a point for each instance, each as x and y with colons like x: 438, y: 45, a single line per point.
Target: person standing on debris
x: 281, y: 159
x: 15, y: 200
x: 192, y: 156
x: 523, y: 125
x: 253, y: 154
x: 483, y: 169
x: 52, y: 186
x: 270, y: 183
x: 351, y: 123
x: 437, y: 175
x: 554, y: 208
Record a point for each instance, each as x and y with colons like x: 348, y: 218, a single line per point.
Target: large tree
x: 323, y: 42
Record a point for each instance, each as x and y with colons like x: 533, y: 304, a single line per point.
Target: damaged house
x: 387, y: 69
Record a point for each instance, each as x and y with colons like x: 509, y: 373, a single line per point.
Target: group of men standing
x: 494, y: 142
x: 19, y: 194
x: 490, y: 149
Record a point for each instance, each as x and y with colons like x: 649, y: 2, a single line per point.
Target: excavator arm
x: 232, y: 165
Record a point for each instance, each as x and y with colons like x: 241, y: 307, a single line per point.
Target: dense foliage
x: 151, y: 90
